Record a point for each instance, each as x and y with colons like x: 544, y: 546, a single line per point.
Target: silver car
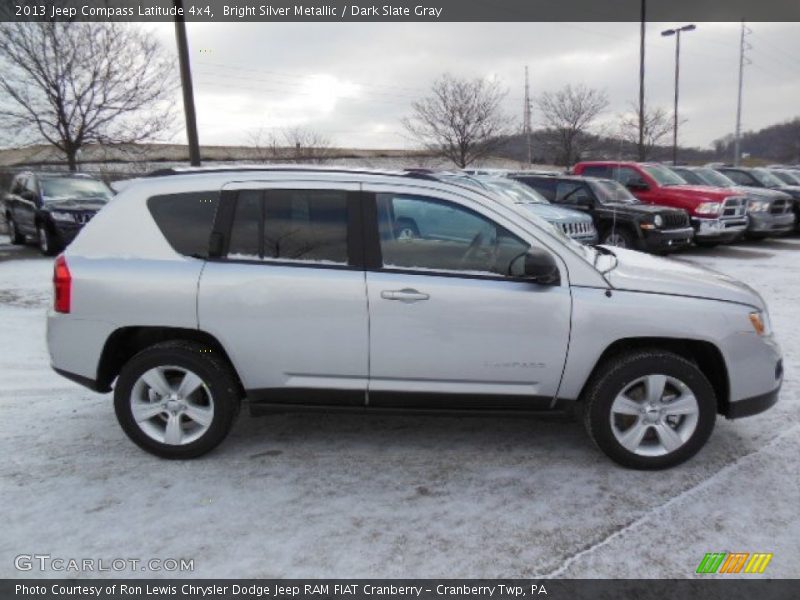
x: 295, y: 288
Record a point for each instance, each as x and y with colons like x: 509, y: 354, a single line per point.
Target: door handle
x: 405, y: 295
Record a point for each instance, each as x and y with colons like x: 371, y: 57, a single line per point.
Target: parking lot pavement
x: 378, y: 496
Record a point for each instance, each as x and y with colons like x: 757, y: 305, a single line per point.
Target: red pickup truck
x: 719, y: 215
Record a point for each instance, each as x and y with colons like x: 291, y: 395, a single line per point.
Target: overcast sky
x: 355, y: 81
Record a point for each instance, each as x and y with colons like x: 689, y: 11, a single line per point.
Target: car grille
x: 780, y: 207
x: 578, y: 229
x: 734, y: 207
x: 675, y: 220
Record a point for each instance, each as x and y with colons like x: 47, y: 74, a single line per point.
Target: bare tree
x: 569, y: 114
x: 72, y: 84
x: 296, y: 144
x: 461, y: 120
x: 657, y: 124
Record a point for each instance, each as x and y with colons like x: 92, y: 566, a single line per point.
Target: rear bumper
x: 769, y: 223
x: 669, y: 239
x: 719, y: 230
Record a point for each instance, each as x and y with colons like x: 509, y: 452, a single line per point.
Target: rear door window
x: 185, y: 220
x: 307, y: 226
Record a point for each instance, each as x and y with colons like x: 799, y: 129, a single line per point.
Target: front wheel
x: 620, y: 238
x: 176, y: 399
x: 48, y: 245
x: 650, y: 409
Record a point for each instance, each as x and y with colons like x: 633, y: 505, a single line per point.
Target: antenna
x: 526, y: 119
x: 743, y: 60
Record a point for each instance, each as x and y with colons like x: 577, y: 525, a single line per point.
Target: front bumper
x: 719, y: 230
x: 752, y: 406
x: 65, y: 231
x: 763, y: 222
x: 588, y: 239
x: 656, y: 240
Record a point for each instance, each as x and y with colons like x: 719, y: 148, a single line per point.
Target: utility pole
x: 643, y: 27
x: 677, y: 34
x: 526, y: 120
x: 743, y: 46
x: 186, y: 84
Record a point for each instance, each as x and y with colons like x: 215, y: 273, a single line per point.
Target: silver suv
x: 296, y: 288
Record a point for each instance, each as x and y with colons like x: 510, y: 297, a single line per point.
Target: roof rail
x: 415, y: 173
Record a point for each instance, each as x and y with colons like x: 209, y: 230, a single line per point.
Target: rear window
x: 186, y: 220
x: 601, y: 171
x: 546, y: 186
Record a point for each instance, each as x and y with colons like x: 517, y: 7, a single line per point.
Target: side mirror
x: 541, y: 267
x: 637, y: 183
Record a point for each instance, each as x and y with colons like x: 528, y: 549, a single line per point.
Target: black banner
x: 401, y: 10
x: 401, y: 589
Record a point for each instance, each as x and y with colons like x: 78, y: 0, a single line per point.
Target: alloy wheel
x: 172, y: 405
x: 654, y: 415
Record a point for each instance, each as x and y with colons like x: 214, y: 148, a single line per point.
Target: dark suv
x: 52, y: 207
x: 621, y: 219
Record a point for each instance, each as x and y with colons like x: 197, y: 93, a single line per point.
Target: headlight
x: 760, y: 322
x: 708, y: 208
x: 62, y: 216
x: 758, y: 206
x: 658, y: 221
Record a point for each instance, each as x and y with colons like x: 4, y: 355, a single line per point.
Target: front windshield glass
x: 518, y: 192
x: 690, y: 176
x: 712, y: 177
x: 663, y: 175
x: 74, y: 188
x: 609, y: 191
x: 786, y: 177
x: 766, y: 178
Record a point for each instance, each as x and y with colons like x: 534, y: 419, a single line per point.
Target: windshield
x: 663, y: 175
x: 74, y: 188
x: 766, y: 178
x: 787, y: 177
x: 517, y: 192
x: 712, y: 177
x: 612, y: 192
x: 690, y: 176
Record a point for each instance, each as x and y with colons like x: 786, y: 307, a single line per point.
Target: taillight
x: 62, y: 285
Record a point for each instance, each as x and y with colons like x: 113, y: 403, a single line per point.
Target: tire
x: 406, y: 229
x: 48, y: 245
x: 214, y: 401
x: 616, y: 405
x: 17, y: 238
x: 620, y: 238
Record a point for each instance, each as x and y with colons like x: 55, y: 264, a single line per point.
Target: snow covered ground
x: 379, y: 496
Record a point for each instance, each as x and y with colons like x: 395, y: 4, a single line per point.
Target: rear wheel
x: 17, y: 238
x: 650, y: 409
x: 176, y: 399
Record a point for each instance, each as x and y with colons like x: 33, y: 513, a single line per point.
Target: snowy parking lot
x: 312, y: 495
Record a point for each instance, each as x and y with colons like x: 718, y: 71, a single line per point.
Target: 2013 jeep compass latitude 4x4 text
x: 291, y: 287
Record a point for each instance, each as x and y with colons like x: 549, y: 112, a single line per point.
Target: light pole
x: 186, y: 85
x: 642, y: 30
x: 677, y: 33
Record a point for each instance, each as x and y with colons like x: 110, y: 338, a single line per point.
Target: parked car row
x: 656, y: 208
